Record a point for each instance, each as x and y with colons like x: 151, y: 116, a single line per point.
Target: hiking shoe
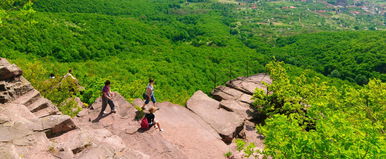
x: 161, y: 129
x: 156, y: 126
x: 113, y: 111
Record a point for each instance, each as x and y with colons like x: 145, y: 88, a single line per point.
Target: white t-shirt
x: 69, y: 75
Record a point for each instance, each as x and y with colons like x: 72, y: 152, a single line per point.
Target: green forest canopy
x: 185, y: 47
x: 309, y: 116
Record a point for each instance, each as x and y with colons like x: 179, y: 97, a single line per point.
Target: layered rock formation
x: 230, y: 109
x: 27, y: 119
x: 32, y: 127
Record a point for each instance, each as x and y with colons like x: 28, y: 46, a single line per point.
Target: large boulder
x: 260, y: 78
x: 240, y: 108
x: 227, y: 93
x: 249, y: 84
x: 20, y: 135
x: 17, y: 122
x: 55, y: 125
x: 226, y: 123
x: 183, y: 127
x: 238, y: 93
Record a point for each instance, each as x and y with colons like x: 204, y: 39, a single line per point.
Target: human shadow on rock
x: 101, y: 116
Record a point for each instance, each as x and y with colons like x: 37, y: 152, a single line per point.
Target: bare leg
x: 154, y: 104
x: 154, y: 101
x: 159, y: 127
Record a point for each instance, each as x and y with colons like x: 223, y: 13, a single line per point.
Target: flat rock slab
x: 226, y: 123
x: 227, y: 93
x: 259, y: 78
x: 153, y: 144
x: 224, y: 93
x: 89, y: 143
x: 185, y: 134
x: 245, y: 86
x: 242, y: 109
x: 194, y: 137
x: 149, y: 143
x: 105, y: 151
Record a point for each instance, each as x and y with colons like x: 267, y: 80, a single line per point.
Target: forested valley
x: 327, y: 60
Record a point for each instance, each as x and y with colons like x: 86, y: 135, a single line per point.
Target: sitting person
x: 150, y: 119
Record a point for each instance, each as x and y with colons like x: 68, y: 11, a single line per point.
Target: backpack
x: 144, y: 123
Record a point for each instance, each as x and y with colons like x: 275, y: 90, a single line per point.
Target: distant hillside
x: 183, y: 49
x: 184, y: 45
x: 353, y: 56
x: 277, y: 18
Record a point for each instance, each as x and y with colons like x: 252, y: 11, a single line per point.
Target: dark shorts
x: 147, y: 100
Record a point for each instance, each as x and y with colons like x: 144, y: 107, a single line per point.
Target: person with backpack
x: 149, y: 120
x: 107, y: 98
x: 149, y: 94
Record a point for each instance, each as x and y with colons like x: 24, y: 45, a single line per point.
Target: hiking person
x: 107, y: 98
x: 150, y: 119
x: 52, y: 76
x: 69, y: 74
x: 149, y: 94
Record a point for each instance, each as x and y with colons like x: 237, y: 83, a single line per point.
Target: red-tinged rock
x: 9, y: 72
x: 227, y: 124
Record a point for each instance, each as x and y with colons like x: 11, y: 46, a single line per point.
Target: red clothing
x: 106, y: 89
